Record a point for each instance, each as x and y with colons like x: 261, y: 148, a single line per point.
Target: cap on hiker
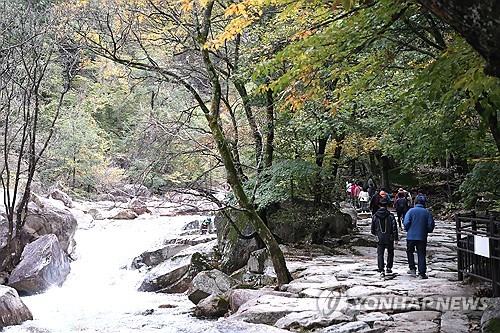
x: 383, y: 202
x: 419, y: 200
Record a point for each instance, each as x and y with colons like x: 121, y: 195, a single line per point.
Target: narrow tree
x: 132, y: 35
x: 29, y: 55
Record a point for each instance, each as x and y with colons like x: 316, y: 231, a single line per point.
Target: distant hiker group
x: 417, y: 221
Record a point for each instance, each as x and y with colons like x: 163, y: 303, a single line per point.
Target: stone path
x: 344, y: 293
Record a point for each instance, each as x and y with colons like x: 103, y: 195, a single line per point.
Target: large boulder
x: 138, y: 206
x: 63, y: 197
x: 12, y: 309
x: 268, y: 309
x: 44, y: 218
x: 300, y: 220
x: 490, y: 320
x: 176, y: 274
x: 153, y: 258
x: 259, y: 260
x: 206, y: 283
x: 235, y: 251
x: 125, y: 214
x: 43, y: 264
x: 213, y: 306
x: 238, y: 297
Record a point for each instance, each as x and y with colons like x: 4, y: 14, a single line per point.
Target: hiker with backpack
x: 401, y: 204
x: 385, y: 229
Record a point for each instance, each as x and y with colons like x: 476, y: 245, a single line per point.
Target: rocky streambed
x: 144, y: 274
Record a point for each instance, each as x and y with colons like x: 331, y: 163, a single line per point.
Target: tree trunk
x: 320, y: 157
x: 213, y: 118
x: 272, y: 246
x: 268, y: 148
x: 337, y: 153
x: 384, y: 172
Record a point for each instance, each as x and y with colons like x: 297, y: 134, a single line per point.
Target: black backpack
x: 402, y: 205
x: 383, y: 229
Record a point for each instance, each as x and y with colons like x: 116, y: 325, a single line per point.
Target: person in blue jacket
x: 418, y: 223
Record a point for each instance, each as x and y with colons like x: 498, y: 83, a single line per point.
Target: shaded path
x: 345, y: 293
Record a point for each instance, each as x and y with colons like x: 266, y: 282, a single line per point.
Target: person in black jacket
x: 385, y: 228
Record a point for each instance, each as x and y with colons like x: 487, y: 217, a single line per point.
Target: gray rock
x: 63, y: 197
x: 490, y: 320
x: 153, y: 258
x: 268, y: 309
x: 238, y: 297
x: 45, y: 218
x: 96, y: 214
x: 372, y: 317
x: 258, y: 261
x: 43, y: 264
x: 417, y: 316
x: 454, y: 322
x: 232, y: 326
x: 12, y: 309
x: 406, y: 326
x: 355, y: 326
x: 125, y: 214
x: 176, y: 274
x: 138, y: 206
x: 310, y: 319
x: 207, y: 283
x: 213, y: 306
x: 235, y: 251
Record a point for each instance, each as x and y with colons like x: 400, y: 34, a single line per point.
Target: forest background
x: 275, y: 99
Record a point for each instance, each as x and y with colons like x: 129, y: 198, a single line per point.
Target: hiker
x: 374, y: 201
x: 386, y: 231
x: 418, y: 222
x: 402, y: 206
x: 364, y: 197
x: 371, y: 187
x: 420, y: 194
x: 355, y: 190
x: 206, y: 226
x: 407, y: 196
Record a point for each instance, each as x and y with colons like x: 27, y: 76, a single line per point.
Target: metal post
x: 459, y: 254
x: 495, y: 264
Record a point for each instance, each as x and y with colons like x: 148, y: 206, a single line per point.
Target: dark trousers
x: 421, y: 247
x: 380, y: 255
x: 401, y: 218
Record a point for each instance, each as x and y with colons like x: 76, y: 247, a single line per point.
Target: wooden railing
x: 478, y: 248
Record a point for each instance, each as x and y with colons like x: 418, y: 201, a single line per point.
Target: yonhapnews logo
x: 332, y: 301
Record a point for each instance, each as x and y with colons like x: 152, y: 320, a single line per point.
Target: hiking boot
x: 388, y: 271
x: 412, y: 272
x: 422, y: 277
x: 382, y: 275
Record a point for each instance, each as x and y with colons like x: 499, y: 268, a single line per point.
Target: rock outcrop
x: 206, y: 283
x: 176, y: 274
x: 44, y: 218
x: 43, y: 264
x: 490, y: 320
x: 12, y: 309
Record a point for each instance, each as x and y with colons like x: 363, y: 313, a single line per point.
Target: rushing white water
x: 101, y: 296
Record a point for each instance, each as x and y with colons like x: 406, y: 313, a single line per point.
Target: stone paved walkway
x: 344, y: 293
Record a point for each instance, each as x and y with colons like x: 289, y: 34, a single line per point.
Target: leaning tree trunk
x: 260, y: 227
x: 213, y: 118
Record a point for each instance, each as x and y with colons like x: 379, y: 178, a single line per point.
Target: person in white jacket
x: 364, y: 198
